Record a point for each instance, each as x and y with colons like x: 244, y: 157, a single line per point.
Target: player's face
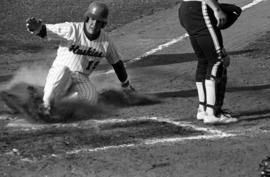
x: 93, y: 26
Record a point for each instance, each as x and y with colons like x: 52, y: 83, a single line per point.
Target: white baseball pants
x: 61, y: 82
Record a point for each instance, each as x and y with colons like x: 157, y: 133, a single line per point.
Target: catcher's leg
x: 215, y: 88
x: 215, y: 115
x: 200, y: 82
x: 200, y: 85
x: 210, y: 42
x: 200, y: 76
x: 221, y: 88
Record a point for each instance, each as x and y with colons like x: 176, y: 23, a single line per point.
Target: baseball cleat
x: 200, y: 114
x: 221, y: 119
x: 225, y: 112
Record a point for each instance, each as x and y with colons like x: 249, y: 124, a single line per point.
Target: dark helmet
x: 98, y: 11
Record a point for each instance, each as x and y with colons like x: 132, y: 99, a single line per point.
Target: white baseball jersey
x: 76, y: 53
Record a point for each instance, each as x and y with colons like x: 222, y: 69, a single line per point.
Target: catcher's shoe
x: 220, y: 119
x: 200, y: 114
x: 225, y: 112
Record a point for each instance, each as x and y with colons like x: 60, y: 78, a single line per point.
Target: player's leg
x: 200, y: 85
x: 83, y: 88
x: 220, y: 72
x: 217, y: 48
x: 214, y: 74
x: 200, y: 77
x: 191, y: 18
x: 221, y: 84
x: 211, y: 43
x: 58, y: 82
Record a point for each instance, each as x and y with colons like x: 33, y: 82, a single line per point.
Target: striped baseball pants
x: 61, y: 82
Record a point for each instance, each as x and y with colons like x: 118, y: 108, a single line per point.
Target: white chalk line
x: 214, y: 134
x: 253, y: 3
x: 178, y: 39
x: 160, y: 47
x: 150, y: 142
x: 211, y: 134
x: 22, y: 125
x: 169, y: 121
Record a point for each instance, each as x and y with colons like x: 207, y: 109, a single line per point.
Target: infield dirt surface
x: 157, y: 136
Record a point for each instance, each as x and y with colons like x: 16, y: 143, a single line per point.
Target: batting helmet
x: 98, y: 11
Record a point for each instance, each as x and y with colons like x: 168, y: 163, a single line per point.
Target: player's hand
x: 129, y: 94
x: 224, y: 57
x: 221, y: 18
x: 33, y: 25
x: 226, y: 61
x: 128, y: 90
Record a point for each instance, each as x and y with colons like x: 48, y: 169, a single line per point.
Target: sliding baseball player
x: 82, y: 46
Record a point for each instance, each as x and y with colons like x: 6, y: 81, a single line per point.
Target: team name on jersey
x: 89, y: 52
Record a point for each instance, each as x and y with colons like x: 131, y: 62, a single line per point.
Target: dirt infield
x: 159, y: 135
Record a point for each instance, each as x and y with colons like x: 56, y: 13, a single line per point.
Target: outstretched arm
x: 51, y: 31
x: 114, y: 59
x: 219, y: 14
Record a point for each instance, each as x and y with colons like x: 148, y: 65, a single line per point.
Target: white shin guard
x: 201, y: 94
x: 210, y: 87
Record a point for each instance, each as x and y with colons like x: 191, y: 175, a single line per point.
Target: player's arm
x: 122, y: 75
x: 49, y: 31
x: 114, y: 59
x: 219, y: 14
